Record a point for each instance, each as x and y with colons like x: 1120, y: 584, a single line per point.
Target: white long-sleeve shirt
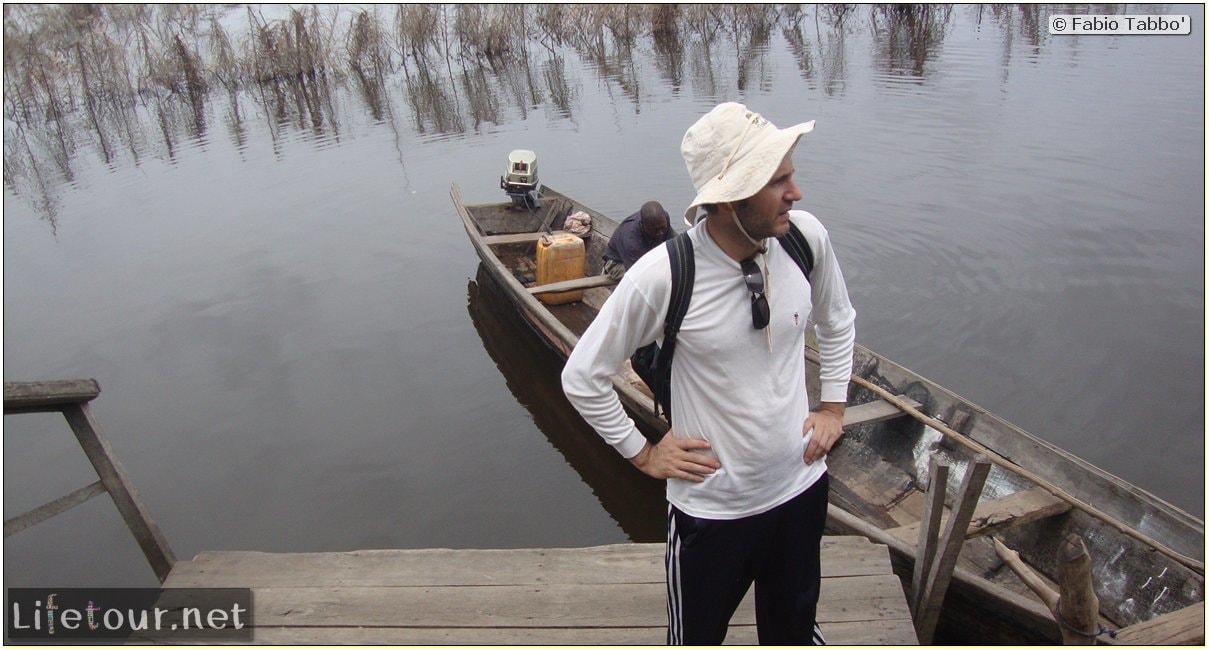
x: 742, y: 389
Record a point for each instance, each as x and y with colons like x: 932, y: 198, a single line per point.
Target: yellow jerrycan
x: 560, y: 257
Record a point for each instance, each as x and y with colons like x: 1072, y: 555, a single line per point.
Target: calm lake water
x: 296, y: 352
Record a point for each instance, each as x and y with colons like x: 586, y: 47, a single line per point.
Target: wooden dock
x: 611, y: 595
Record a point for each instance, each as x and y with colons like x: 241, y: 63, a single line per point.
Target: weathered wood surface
x: 940, y: 570
x: 601, y: 595
x: 71, y: 398
x: 520, y: 237
x: 35, y: 396
x: 875, y: 411
x: 575, y: 283
x: 1183, y: 627
x: 57, y: 507
x: 117, y: 483
x: 928, y: 536
x: 1078, y: 608
x: 990, y: 517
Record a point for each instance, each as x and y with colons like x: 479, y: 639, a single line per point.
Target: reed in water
x: 129, y: 80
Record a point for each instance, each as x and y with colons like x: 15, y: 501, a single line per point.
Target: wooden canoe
x: 1148, y: 555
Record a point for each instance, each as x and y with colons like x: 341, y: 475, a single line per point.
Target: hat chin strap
x: 760, y: 247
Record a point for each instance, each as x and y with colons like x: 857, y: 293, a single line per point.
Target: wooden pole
x: 940, y: 571
x: 967, y: 442
x: 929, y: 530
x: 113, y: 476
x: 1012, y: 559
x: 1075, y: 607
x: 1078, y: 610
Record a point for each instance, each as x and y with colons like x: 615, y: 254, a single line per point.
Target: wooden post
x: 941, y: 570
x: 1078, y: 610
x: 1075, y: 607
x: 117, y: 483
x: 929, y: 530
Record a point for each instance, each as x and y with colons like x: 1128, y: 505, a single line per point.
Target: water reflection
x: 908, y: 36
x: 130, y: 81
x: 531, y: 370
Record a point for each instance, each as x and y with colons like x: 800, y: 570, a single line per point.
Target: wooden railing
x: 71, y: 398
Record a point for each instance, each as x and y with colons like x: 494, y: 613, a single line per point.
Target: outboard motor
x: 520, y: 179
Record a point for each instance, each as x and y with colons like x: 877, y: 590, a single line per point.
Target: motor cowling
x: 520, y: 178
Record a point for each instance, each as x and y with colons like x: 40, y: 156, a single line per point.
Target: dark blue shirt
x: 630, y: 241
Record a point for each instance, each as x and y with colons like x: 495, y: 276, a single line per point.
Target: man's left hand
x: 828, y: 425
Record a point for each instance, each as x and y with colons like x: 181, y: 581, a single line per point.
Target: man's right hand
x: 676, y: 457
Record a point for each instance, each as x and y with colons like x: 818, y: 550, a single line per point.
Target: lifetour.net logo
x: 164, y: 615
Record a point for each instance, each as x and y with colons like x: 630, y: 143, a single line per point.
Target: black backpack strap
x: 680, y: 255
x: 794, y: 243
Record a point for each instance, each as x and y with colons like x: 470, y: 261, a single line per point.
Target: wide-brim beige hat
x: 732, y: 152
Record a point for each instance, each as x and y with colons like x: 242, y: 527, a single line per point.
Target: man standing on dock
x: 744, y: 460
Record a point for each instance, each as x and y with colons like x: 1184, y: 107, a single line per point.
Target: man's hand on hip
x: 676, y: 457
x: 828, y: 425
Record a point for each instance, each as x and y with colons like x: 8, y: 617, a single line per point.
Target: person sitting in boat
x: 639, y: 233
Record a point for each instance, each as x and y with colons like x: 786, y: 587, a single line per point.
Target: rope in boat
x: 1189, y: 562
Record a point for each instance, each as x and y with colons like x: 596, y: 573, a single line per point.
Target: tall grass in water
x: 121, y: 78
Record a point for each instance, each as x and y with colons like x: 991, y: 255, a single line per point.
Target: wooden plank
x: 941, y: 570
x: 967, y: 610
x: 883, y: 493
x: 37, y: 396
x: 117, y: 483
x: 577, y: 283
x: 875, y: 411
x: 56, y: 507
x: 879, y: 632
x: 1182, y: 627
x: 518, y: 238
x: 601, y: 595
x: 929, y: 531
x: 995, y: 516
x: 841, y: 556
x: 557, y: 206
x: 852, y: 599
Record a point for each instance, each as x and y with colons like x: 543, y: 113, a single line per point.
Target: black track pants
x: 711, y: 563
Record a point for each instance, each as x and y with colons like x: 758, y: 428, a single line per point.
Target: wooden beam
x: 602, y: 595
x: 1181, y: 627
x: 58, y: 506
x: 875, y: 411
x: 117, y: 483
x: 578, y: 283
x: 877, y: 632
x: 993, y: 517
x: 941, y: 571
x: 42, y: 396
x: 518, y: 238
x: 1078, y: 610
x: 556, y: 604
x: 929, y: 531
x: 557, y: 206
x: 841, y: 556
